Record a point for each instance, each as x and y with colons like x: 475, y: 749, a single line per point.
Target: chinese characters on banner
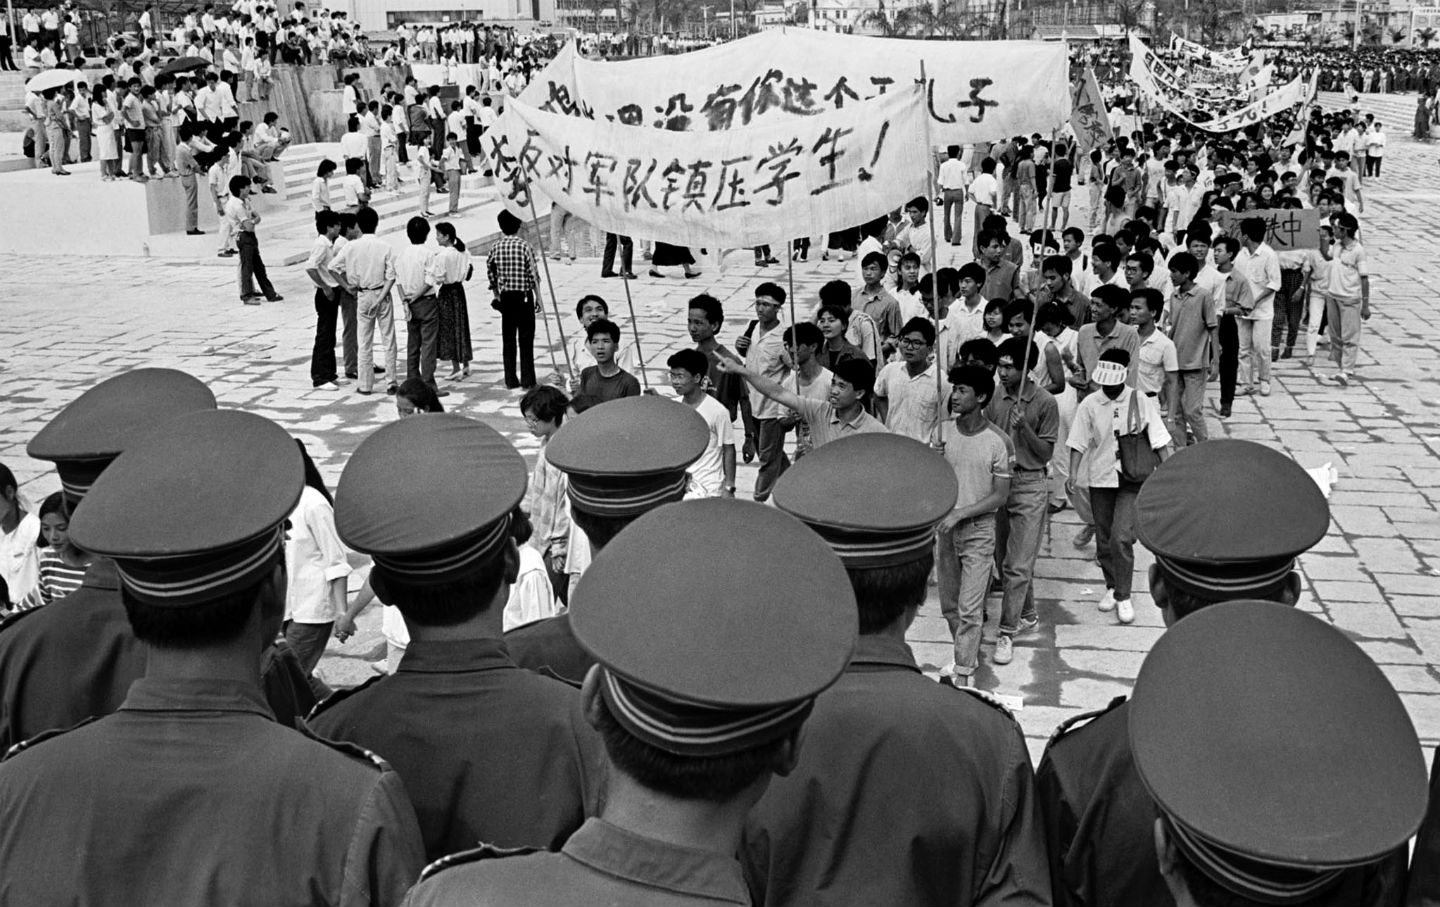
x: 1287, y: 229
x: 1088, y: 118
x: 784, y: 178
x: 975, y: 91
x: 1228, y: 60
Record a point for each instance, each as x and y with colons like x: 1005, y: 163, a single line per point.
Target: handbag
x: 1137, y: 458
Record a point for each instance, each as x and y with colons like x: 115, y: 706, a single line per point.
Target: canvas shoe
x: 1125, y: 610
x: 1107, y: 603
x: 1004, y: 651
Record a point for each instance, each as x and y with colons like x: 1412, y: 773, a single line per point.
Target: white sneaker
x: 1108, y: 602
x: 1004, y: 651
x: 327, y: 386
x: 1264, y: 388
x: 1125, y: 611
x: 948, y: 671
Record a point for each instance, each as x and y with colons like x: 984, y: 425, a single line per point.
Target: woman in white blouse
x: 317, y: 565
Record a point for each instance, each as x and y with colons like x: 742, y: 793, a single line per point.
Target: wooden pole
x: 938, y: 441
x: 794, y: 340
x: 545, y: 263
x: 635, y: 327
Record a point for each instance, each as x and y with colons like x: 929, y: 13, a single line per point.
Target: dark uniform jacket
x: 1424, y: 890
x: 192, y: 794
x: 602, y: 864
x: 907, y: 792
x: 76, y: 658
x: 490, y: 753
x: 1100, y: 824
x: 548, y: 646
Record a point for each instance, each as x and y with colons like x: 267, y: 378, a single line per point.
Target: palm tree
x: 1427, y: 35
x: 1397, y: 35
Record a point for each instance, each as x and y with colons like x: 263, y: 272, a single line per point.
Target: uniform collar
x: 452, y: 656
x: 188, y: 694
x: 101, y: 575
x: 614, y: 851
x: 882, y: 651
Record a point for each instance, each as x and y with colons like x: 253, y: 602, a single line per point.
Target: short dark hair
x: 1054, y: 313
x: 1060, y: 264
x: 326, y: 219
x: 840, y: 314
x: 1230, y: 244
x: 603, y: 326
x: 883, y: 593
x: 1185, y: 263
x: 976, y: 378
x: 1144, y: 262
x: 836, y: 292
x: 919, y: 203
x: 417, y: 230
x: 980, y: 348
x: 546, y: 402
x: 693, y: 361
x: 219, y: 620
x: 1108, y: 253
x: 1117, y: 355
x: 987, y: 236
x: 973, y: 270
x: 1253, y: 229
x: 714, y: 311
x: 806, y: 333
x: 1111, y: 296
x: 922, y: 326
x: 1021, y: 307
x: 1074, y: 233
x: 713, y: 779
x: 420, y: 394
x: 772, y: 290
x: 1024, y: 354
x: 590, y: 297
x: 877, y: 259
x: 858, y: 373
x: 1154, y: 300
x: 509, y: 223
x: 367, y: 219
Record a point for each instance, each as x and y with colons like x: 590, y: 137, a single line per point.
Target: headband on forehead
x: 180, y: 582
x: 1267, y: 883
x: 694, y: 729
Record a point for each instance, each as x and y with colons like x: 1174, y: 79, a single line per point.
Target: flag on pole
x: 1088, y: 118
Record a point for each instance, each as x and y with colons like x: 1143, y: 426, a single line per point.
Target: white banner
x: 730, y: 189
x: 1088, y: 118
x: 1227, y: 60
x: 1184, y: 105
x: 464, y: 75
x: 976, y: 91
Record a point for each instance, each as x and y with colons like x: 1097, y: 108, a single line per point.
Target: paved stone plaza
x: 69, y: 321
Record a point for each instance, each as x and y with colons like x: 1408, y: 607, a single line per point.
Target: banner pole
x: 550, y: 341
x: 545, y: 263
x: 938, y: 442
x: 794, y: 340
x: 635, y: 328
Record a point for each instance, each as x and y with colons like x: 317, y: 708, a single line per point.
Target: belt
x: 1152, y: 393
x: 370, y: 289
x: 1023, y: 469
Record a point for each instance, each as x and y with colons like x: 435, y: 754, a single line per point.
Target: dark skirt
x: 666, y: 255
x: 454, y: 325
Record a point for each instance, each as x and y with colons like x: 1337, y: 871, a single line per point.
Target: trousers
x: 517, y: 336
x: 770, y: 451
x: 422, y: 339
x: 372, y: 311
x: 1229, y: 358
x: 192, y: 200
x: 1289, y: 309
x: 347, y: 333
x: 627, y: 254
x: 1190, y: 414
x: 1019, y: 527
x: 962, y: 566
x: 954, y: 201
x: 1114, y: 510
x: 322, y: 357
x: 1254, y: 348
x: 1345, y: 326
x: 252, y: 266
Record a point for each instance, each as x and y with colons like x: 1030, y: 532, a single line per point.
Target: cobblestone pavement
x: 68, y: 322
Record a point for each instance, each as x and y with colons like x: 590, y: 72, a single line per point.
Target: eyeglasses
x: 912, y: 341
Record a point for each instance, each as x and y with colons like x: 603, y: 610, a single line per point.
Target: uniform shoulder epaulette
x: 341, y: 695
x: 1070, y: 724
x: 547, y: 671
x: 988, y: 698
x: 475, y: 855
x: 24, y: 745
x: 15, y: 617
x: 354, y: 750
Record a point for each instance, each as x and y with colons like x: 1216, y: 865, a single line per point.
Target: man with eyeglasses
x: 907, y: 396
x: 764, y: 350
x: 1030, y: 417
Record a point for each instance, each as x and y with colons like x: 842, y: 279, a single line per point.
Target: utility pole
x: 1359, y: 18
x: 732, y: 20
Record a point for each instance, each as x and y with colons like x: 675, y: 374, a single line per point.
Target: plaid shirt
x: 545, y: 503
x: 511, y: 266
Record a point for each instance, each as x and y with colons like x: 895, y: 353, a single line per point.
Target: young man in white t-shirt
x: 713, y: 475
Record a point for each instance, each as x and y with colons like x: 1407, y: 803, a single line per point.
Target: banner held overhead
x: 728, y: 189
x: 977, y: 91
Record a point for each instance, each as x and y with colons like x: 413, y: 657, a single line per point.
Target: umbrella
x: 183, y: 64
x: 52, y: 78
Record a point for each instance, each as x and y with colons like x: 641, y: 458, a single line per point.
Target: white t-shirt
x: 707, y: 474
x: 314, y: 557
x: 20, y: 559
x: 353, y: 187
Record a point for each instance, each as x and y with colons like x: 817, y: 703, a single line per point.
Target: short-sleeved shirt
x: 1262, y: 269
x: 1192, y: 317
x: 1157, y: 357
x: 826, y: 425
x: 764, y: 357
x: 1040, y: 410
x: 914, y: 400
x: 977, y: 459
x: 1347, y: 266
x: 607, y: 388
x: 1091, y: 343
x: 1001, y: 281
x: 1097, y: 419
x: 882, y: 308
x: 707, y: 474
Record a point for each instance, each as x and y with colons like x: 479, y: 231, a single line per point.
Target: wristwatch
x: 729, y: 488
